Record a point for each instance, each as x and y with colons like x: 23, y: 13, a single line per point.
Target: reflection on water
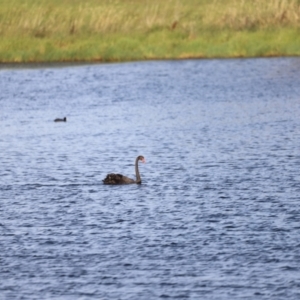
x: 217, y: 214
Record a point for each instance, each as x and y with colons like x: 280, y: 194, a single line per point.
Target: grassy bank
x: 103, y: 30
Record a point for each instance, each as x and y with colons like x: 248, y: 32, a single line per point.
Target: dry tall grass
x: 122, y: 30
x: 254, y: 14
x: 46, y: 18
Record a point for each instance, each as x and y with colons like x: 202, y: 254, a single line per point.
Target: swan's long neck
x: 137, y: 173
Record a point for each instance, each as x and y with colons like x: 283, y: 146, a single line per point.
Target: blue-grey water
x: 217, y: 215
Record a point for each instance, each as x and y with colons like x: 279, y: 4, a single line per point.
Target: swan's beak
x: 143, y: 160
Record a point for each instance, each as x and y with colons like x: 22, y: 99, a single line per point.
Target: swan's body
x: 121, y: 179
x: 61, y: 120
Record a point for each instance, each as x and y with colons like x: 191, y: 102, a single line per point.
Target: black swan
x: 121, y: 179
x: 61, y: 120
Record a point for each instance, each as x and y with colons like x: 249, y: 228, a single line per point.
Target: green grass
x: 126, y: 30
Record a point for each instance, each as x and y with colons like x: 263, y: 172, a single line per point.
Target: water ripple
x: 216, y: 216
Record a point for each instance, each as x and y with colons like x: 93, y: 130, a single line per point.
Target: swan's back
x: 117, y: 179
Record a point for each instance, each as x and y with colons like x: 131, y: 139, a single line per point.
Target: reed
x: 111, y: 30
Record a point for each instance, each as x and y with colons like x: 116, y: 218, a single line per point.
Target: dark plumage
x: 121, y: 179
x: 60, y: 120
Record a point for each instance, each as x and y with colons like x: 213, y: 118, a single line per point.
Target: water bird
x: 121, y: 179
x: 60, y: 120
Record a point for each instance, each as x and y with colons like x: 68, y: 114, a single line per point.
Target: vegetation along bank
x: 127, y: 30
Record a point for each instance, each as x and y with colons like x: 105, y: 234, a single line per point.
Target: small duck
x: 61, y: 120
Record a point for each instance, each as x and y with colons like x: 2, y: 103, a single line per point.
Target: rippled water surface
x: 217, y: 215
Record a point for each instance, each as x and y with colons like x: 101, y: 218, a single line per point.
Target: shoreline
x: 76, y: 63
x: 60, y: 33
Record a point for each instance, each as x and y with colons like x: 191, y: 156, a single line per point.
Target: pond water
x: 217, y: 213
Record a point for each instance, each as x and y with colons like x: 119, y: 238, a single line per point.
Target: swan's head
x: 141, y: 158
